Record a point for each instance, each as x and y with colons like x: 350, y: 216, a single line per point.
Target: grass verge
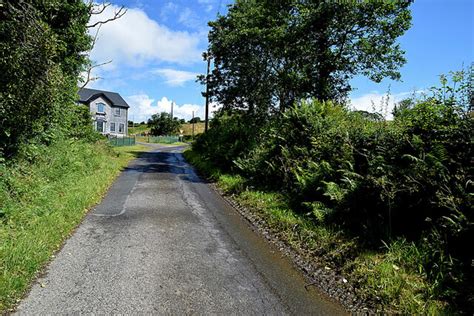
x: 388, y: 280
x: 43, y: 200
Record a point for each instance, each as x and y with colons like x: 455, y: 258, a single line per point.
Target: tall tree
x: 43, y: 50
x: 41, y: 55
x: 269, y: 54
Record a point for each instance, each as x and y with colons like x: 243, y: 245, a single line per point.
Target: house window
x: 121, y: 128
x: 100, y: 126
x: 112, y: 127
x: 100, y: 107
x: 117, y: 112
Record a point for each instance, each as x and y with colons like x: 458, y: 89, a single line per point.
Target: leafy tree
x: 41, y: 46
x: 270, y: 54
x: 163, y: 124
x: 196, y: 119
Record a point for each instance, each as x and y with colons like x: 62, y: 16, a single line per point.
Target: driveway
x: 163, y: 242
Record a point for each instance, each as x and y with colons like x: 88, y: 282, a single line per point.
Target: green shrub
x: 41, y: 58
x: 381, y: 180
x: 229, y: 137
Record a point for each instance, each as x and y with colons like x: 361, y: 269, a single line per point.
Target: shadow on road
x: 166, y: 162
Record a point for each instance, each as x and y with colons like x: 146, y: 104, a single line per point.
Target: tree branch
x: 117, y: 14
x: 89, y: 72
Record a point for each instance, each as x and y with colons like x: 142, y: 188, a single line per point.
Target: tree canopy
x: 163, y: 124
x: 41, y: 56
x: 270, y: 54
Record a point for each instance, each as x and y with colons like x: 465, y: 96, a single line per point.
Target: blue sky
x: 156, y: 53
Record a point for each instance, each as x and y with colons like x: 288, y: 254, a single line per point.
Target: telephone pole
x: 193, y: 125
x: 207, y: 94
x: 172, y: 109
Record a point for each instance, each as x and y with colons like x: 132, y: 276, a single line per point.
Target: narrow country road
x: 163, y: 242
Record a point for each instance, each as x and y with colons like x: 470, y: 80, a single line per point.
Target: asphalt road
x: 163, y: 242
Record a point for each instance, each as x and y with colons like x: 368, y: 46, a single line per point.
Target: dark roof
x: 86, y: 95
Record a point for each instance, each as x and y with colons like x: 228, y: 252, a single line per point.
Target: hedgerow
x: 380, y: 181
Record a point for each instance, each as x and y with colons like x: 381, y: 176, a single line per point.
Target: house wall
x: 109, y: 116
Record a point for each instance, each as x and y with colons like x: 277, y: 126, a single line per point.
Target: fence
x: 122, y: 141
x: 163, y: 139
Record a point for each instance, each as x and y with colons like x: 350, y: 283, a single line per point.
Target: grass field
x: 140, y: 129
x: 43, y: 200
x: 187, y: 129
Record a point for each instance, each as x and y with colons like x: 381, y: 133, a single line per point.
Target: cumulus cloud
x: 175, y: 78
x: 136, y: 39
x: 181, y: 111
x: 380, y: 103
x: 142, y: 107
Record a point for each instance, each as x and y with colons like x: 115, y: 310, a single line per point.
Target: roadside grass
x: 142, y: 128
x: 172, y: 144
x: 391, y: 280
x: 152, y: 140
x: 43, y: 200
x: 130, y: 151
x: 187, y: 128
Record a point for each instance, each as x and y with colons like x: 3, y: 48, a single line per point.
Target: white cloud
x: 142, y: 107
x: 180, y: 111
x: 175, y: 78
x: 380, y: 103
x: 136, y: 39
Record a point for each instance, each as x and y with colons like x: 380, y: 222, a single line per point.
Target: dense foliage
x: 42, y: 45
x: 163, y: 124
x: 269, y: 54
x: 386, y: 183
x: 49, y: 153
x: 379, y: 180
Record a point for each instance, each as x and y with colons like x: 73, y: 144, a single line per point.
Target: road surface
x: 163, y: 242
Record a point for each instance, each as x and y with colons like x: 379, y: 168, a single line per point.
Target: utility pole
x: 172, y: 109
x: 207, y: 94
x: 193, y: 125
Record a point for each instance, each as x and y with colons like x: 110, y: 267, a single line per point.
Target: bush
x: 163, y: 124
x: 40, y: 61
x: 230, y: 136
x: 381, y: 180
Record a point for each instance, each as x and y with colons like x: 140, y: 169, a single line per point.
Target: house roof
x: 87, y: 95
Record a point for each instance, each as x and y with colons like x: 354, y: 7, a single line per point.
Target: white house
x: 108, y: 109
